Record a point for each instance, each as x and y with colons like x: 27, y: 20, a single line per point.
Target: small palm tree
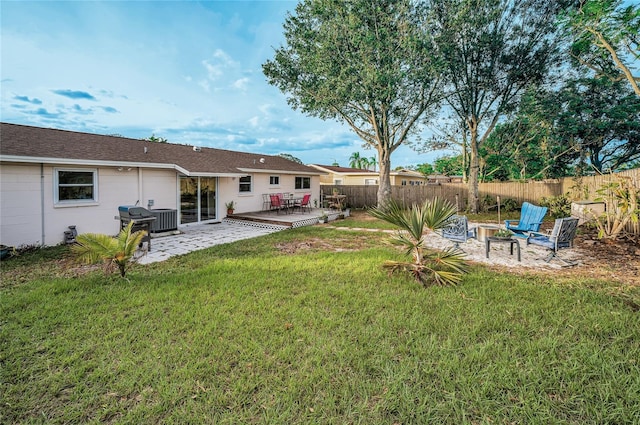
x: 355, y: 160
x: 114, y: 252
x: 373, y: 161
x: 445, y: 267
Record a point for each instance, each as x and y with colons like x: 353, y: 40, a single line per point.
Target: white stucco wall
x: 29, y: 215
x: 247, y: 202
x: 20, y: 205
x: 23, y: 199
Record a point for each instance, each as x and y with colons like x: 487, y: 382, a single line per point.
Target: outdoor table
x: 337, y: 200
x: 291, y: 203
x: 486, y: 230
x: 510, y: 241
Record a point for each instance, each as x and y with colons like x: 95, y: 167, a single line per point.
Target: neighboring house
x: 441, y: 178
x: 335, y: 175
x: 51, y: 179
x: 407, y: 178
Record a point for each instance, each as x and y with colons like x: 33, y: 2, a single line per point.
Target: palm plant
x: 114, y: 252
x: 445, y: 267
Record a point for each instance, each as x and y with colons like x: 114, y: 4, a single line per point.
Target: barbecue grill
x: 142, y: 219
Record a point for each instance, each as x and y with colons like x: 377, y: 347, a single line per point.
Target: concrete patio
x: 237, y: 227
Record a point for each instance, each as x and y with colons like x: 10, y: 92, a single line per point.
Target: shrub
x: 559, y: 206
x: 445, y: 267
x: 113, y: 252
x: 622, y: 206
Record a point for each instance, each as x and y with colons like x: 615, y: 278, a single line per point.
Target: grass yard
x: 305, y: 327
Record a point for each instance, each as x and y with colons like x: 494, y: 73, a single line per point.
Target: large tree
x: 602, y: 118
x: 606, y: 38
x: 366, y: 63
x: 493, y: 51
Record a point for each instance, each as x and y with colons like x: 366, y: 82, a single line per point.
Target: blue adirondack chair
x: 530, y: 220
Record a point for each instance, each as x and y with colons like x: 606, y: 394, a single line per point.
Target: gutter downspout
x: 42, y: 201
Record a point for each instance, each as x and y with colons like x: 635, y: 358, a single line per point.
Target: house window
x: 337, y: 182
x: 370, y: 182
x: 404, y: 183
x: 245, y: 184
x: 274, y: 180
x: 303, y: 182
x: 72, y: 186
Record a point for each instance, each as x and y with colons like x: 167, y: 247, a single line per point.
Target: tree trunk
x: 474, y: 170
x: 384, y: 185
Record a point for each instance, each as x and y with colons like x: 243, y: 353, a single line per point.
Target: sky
x: 186, y: 71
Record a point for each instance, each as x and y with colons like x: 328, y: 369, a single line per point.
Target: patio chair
x: 457, y: 230
x: 277, y: 203
x: 530, y: 220
x: 303, y: 203
x: 562, y: 235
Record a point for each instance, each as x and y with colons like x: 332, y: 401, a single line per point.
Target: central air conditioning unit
x: 166, y: 220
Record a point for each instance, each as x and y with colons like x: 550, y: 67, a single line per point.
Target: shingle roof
x: 21, y: 141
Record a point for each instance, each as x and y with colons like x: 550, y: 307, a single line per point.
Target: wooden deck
x: 297, y: 219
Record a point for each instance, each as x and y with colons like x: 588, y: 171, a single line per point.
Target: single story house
x: 336, y: 175
x: 51, y: 179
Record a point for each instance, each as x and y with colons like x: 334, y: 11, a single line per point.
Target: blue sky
x: 188, y: 71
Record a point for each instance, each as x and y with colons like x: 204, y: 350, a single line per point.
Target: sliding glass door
x: 197, y: 199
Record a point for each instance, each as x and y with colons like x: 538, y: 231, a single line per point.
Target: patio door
x: 197, y: 199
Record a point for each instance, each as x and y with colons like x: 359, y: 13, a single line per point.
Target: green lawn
x: 305, y: 327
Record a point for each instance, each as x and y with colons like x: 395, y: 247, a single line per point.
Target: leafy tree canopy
x: 365, y: 63
x: 606, y: 38
x: 290, y: 157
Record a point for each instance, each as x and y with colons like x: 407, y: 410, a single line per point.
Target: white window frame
x: 337, y: 182
x: 56, y: 187
x: 302, y: 180
x: 276, y: 179
x: 241, y: 183
x: 370, y: 182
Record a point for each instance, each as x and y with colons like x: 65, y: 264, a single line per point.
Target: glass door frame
x: 198, y: 205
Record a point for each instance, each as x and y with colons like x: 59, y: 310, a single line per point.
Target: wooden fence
x: 533, y: 191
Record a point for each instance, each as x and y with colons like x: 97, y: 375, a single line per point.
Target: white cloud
x: 241, y: 84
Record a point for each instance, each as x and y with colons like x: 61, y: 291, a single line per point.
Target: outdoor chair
x: 266, y: 202
x: 304, y: 203
x: 457, y: 230
x: 530, y: 220
x: 277, y: 203
x: 562, y: 235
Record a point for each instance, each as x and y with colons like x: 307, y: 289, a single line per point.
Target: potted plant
x: 231, y: 206
x: 503, y: 234
x: 324, y: 218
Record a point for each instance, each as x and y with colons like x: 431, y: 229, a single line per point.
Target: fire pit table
x: 495, y: 239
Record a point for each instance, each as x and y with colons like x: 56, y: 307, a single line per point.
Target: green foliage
x: 605, y: 38
x: 443, y: 268
x: 601, y: 119
x: 426, y: 169
x: 366, y: 64
x: 449, y: 165
x: 559, y: 206
x: 492, y: 51
x: 290, y: 158
x: 509, y: 204
x: 155, y: 139
x: 622, y: 207
x: 115, y: 252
